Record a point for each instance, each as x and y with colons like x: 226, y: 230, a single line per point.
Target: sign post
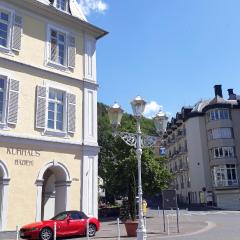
x: 169, y: 201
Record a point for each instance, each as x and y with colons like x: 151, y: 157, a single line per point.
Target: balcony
x: 183, y: 168
x: 222, y: 161
x: 226, y: 184
x: 179, y: 134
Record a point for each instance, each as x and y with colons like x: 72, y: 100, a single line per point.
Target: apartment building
x: 203, y: 150
x: 48, y: 111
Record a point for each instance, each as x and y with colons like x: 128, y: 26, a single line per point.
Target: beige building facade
x: 48, y: 111
x: 203, y: 151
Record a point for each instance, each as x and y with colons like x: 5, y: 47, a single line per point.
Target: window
x: 180, y: 164
x: 182, y: 182
x: 217, y: 133
x: 218, y: 114
x: 55, y: 109
x: 223, y: 152
x: 188, y: 182
x: 60, y: 216
x: 9, y: 91
x: 61, y: 49
x: 225, y: 175
x: 4, y: 28
x: 58, y: 47
x: 61, y: 5
x: 75, y: 216
x: 10, y: 30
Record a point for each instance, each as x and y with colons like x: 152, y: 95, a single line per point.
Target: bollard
x: 168, y: 232
x: 87, y: 229
x: 178, y: 214
x: 145, y: 222
x: 17, y: 232
x: 158, y: 211
x: 55, y: 231
x: 118, y: 226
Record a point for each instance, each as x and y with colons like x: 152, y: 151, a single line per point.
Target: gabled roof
x: 74, y: 8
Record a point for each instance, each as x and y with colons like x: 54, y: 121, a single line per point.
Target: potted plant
x: 128, y: 210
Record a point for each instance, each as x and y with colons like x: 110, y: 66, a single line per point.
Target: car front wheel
x: 91, y: 230
x: 46, y: 234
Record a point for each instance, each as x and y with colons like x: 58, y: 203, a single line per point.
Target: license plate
x: 21, y: 234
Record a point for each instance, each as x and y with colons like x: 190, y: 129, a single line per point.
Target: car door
x: 61, y: 228
x: 61, y: 224
x: 76, y: 224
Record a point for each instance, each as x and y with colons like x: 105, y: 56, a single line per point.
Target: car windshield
x: 60, y: 216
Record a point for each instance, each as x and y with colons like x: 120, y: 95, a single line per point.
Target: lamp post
x: 138, y: 141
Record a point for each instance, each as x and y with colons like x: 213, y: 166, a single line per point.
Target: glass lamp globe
x: 115, y: 114
x: 138, y: 106
x: 160, y: 122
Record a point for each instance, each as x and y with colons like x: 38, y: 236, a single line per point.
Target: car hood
x: 36, y: 224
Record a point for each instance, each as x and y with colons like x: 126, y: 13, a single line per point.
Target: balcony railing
x: 226, y: 183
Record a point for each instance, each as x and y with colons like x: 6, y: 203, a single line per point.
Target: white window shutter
x: 41, y: 109
x: 71, y: 51
x: 17, y: 32
x: 71, y: 114
x: 13, y: 92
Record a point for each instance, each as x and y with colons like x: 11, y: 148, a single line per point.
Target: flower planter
x: 131, y: 228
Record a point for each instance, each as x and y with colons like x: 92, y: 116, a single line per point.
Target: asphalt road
x: 223, y: 225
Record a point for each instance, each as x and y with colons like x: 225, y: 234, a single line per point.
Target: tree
x: 118, y: 163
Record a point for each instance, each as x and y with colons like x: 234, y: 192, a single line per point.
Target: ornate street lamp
x: 160, y: 122
x: 115, y: 114
x: 138, y: 141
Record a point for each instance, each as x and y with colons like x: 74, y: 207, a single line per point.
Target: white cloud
x: 151, y: 109
x: 89, y: 6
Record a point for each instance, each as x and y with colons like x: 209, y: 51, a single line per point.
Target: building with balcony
x: 48, y: 111
x: 203, y: 150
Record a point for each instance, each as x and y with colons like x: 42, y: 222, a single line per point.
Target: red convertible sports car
x: 69, y: 223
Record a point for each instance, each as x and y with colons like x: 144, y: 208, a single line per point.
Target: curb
x: 209, y: 226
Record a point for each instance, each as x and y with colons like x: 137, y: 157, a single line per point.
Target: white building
x: 203, y: 150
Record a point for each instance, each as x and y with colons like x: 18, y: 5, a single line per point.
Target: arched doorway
x: 52, y: 190
x: 4, y: 182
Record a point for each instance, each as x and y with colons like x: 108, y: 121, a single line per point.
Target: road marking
x: 209, y: 226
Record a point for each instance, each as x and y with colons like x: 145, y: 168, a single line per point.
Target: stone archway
x: 4, y: 182
x: 53, y: 184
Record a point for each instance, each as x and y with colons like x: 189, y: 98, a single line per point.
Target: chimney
x: 231, y: 94
x: 218, y: 90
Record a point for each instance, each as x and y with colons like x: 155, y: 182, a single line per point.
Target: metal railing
x: 226, y: 183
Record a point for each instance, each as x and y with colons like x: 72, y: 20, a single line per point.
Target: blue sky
x: 171, y: 52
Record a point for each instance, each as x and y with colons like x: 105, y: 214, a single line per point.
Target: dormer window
x: 62, y: 5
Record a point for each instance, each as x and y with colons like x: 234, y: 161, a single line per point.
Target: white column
x: 95, y: 186
x: 68, y: 185
x: 89, y: 192
x: 4, y: 205
x: 39, y: 184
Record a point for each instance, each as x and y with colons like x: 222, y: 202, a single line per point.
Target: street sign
x: 169, y: 199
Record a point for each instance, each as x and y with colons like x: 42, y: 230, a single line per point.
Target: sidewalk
x: 154, y: 225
